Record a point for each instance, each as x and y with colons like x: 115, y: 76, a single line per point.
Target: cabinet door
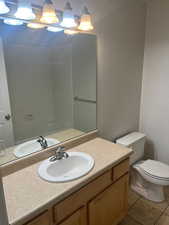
x: 110, y: 206
x: 77, y: 218
x: 43, y: 219
x: 80, y: 198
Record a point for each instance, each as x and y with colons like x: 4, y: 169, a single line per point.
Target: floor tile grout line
x: 156, y: 222
x: 166, y: 209
x: 131, y: 215
x: 164, y: 212
x: 135, y: 220
x: 134, y: 203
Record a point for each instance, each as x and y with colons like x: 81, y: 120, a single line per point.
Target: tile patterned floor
x: 144, y: 212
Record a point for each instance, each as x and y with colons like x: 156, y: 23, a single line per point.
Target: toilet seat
x: 148, y: 179
x: 155, y: 169
x: 155, y: 177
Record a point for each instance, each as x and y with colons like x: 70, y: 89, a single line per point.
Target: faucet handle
x: 60, y: 149
x: 59, y: 154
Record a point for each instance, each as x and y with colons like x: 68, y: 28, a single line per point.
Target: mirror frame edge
x: 3, y: 211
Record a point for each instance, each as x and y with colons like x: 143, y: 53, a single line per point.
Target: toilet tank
x: 136, y: 141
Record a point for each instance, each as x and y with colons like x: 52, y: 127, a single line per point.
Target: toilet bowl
x: 148, y: 177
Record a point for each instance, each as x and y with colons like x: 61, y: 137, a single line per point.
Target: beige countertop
x: 27, y: 194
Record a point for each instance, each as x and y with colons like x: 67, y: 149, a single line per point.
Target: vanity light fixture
x: 71, y: 32
x: 54, y: 29
x: 13, y: 22
x: 24, y: 11
x: 3, y: 7
x: 48, y: 13
x: 85, y: 21
x: 46, y: 16
x: 68, y: 17
x: 34, y: 24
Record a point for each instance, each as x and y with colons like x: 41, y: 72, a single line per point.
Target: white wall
x: 120, y: 34
x: 155, y: 96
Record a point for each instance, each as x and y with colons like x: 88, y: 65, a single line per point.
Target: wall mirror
x: 47, y: 88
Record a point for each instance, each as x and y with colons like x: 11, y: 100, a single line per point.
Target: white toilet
x: 148, y: 177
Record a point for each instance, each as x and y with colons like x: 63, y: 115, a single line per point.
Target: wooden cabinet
x: 110, y: 206
x: 120, y: 169
x: 103, y: 201
x: 43, y: 219
x: 77, y: 218
x: 82, y: 197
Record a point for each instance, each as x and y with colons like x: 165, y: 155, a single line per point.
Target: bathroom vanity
x: 98, y: 198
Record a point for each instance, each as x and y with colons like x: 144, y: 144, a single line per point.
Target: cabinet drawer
x: 81, y: 197
x: 120, y: 169
x: 43, y: 219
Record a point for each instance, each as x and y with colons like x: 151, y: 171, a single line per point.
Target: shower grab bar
x: 84, y: 100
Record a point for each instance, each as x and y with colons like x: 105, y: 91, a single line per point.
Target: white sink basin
x: 75, y: 166
x: 31, y: 147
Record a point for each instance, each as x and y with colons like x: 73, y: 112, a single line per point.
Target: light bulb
x: 13, y: 22
x: 71, y: 32
x: 85, y: 21
x: 68, y: 17
x: 24, y: 11
x: 49, y: 13
x: 54, y: 29
x: 3, y: 7
x: 35, y: 23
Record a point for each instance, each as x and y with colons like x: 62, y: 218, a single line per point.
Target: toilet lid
x: 155, y: 168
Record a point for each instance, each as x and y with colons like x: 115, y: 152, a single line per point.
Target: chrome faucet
x: 59, y: 154
x: 43, y: 142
